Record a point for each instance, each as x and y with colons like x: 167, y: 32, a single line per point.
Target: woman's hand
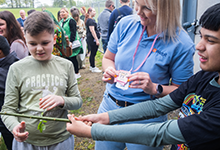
x: 109, y: 75
x: 78, y: 128
x: 97, y: 42
x: 143, y: 81
x: 102, y: 118
x: 19, y: 132
x: 51, y: 101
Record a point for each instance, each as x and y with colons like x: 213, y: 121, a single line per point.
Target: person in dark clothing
x: 123, y: 10
x: 69, y: 26
x: 6, y: 59
x: 92, y: 35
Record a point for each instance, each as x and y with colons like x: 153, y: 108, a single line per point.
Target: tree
x: 2, y: 2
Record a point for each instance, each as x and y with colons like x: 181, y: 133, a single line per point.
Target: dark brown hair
x: 14, y: 31
x: 38, y: 22
x: 87, y: 14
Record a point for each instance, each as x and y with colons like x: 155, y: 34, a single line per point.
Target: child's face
x: 3, y: 28
x: 41, y: 45
x: 209, y: 50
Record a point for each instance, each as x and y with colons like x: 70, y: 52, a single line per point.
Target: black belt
x: 120, y: 103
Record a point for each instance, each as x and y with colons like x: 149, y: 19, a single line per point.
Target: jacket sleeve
x: 152, y: 134
x: 72, y: 25
x: 144, y: 110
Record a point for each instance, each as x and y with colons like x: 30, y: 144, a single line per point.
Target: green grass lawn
x: 15, y: 11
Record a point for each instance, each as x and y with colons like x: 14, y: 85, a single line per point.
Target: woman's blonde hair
x: 168, y: 17
x: 66, y: 9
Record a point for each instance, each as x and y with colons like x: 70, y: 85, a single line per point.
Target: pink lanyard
x: 137, y: 49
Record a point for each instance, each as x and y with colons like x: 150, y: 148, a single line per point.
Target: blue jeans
x: 108, y: 104
x: 104, y: 44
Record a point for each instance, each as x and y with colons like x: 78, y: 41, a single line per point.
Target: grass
x: 2, y: 144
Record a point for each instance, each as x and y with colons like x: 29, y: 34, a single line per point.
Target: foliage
x: 2, y: 144
x: 2, y: 2
x: 62, y: 3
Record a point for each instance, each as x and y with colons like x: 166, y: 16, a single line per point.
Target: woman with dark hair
x: 10, y: 29
x: 92, y: 35
x: 81, y: 29
x: 69, y: 26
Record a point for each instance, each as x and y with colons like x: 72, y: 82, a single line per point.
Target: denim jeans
x: 104, y: 44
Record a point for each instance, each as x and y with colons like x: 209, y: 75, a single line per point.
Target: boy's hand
x: 78, y: 128
x: 19, y: 132
x: 51, y: 101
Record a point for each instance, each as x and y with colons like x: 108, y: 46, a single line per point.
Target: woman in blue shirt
x: 149, y: 55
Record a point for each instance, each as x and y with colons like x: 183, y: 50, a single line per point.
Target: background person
x: 103, y: 21
x: 69, y: 26
x: 6, y: 59
x: 83, y: 12
x: 40, y: 83
x: 199, y: 98
x: 151, y: 49
x: 81, y: 29
x: 92, y: 38
x: 30, y: 11
x: 22, y: 19
x: 59, y: 46
x: 123, y: 10
x: 10, y: 29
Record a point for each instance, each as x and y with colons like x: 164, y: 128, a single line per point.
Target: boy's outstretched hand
x: 78, y: 128
x: 19, y: 132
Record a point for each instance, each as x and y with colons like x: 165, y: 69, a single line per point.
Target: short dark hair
x: 124, y: 1
x: 30, y: 11
x: 38, y: 22
x: 75, y: 13
x: 108, y: 3
x: 4, y: 45
x: 211, y: 18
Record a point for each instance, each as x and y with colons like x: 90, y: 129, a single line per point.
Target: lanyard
x: 137, y: 49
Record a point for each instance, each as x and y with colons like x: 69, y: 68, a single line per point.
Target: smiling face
x: 143, y: 10
x: 41, y: 45
x: 3, y: 28
x: 64, y: 14
x: 209, y: 50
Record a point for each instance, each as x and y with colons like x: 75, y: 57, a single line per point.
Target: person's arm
x: 92, y: 30
x: 152, y: 134
x: 73, y: 30
x: 142, y: 111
